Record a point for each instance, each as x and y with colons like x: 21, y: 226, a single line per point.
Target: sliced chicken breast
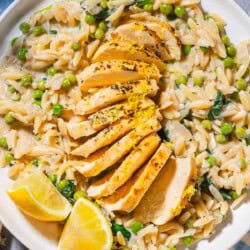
x: 127, y: 197
x: 140, y: 34
x: 80, y: 129
x: 114, y: 113
x: 120, y: 148
x: 127, y: 50
x: 168, y: 37
x: 107, y: 116
x: 105, y: 137
x: 115, y: 93
x: 106, y: 73
x: 111, y: 182
x: 169, y: 193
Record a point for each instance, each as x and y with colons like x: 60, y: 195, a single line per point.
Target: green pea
x: 221, y: 139
x: 234, y: 195
x: 103, y: 26
x: 62, y: 184
x: 136, y: 226
x: 180, y: 11
x: 11, y: 89
x: 9, y: 157
x: 207, y: 17
x: 211, y: 161
x: 241, y: 84
x: 53, y: 178
x: 76, y: 46
x: 207, y: 124
x: 9, y: 119
x: 99, y: 33
x: 26, y: 80
x: 41, y: 85
x: 24, y: 27
x: 21, y: 54
x: 187, y: 241
x: 198, y: 81
x: 57, y: 109
x: 228, y: 62
x: 51, y: 71
x: 72, y: 78
x: 3, y: 143
x: 226, y: 128
x: 104, y: 4
x: 231, y: 51
x: 240, y: 133
x: 148, y: 7
x: 38, y: 30
x: 182, y: 79
x: 205, y: 49
x: 37, y: 103
x: 66, y: 84
x: 79, y: 194
x: 189, y: 223
x: 89, y: 19
x: 186, y: 49
x: 37, y: 94
x: 166, y: 9
x: 243, y: 164
x: 226, y: 40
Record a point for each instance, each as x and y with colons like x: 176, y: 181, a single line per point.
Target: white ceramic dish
x: 40, y: 236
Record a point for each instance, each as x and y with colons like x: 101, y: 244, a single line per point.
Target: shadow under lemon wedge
x: 86, y: 228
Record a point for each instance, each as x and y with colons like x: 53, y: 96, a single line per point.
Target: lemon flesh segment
x: 87, y: 228
x: 37, y: 197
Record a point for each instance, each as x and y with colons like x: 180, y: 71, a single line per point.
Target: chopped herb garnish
x: 119, y: 228
x: 217, y: 108
x: 13, y: 41
x: 164, y: 135
x: 102, y: 15
x: 206, y: 181
x: 226, y: 194
x: 53, y: 32
x: 142, y: 3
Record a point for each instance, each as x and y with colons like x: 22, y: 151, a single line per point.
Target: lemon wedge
x: 37, y: 197
x: 87, y: 228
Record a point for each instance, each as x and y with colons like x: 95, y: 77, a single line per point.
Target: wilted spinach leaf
x: 217, y: 108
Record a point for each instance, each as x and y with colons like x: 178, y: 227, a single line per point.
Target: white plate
x: 40, y: 236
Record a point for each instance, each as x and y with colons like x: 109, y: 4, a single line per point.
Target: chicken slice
x: 115, y: 93
x: 127, y: 197
x: 80, y: 129
x: 106, y: 73
x: 120, y: 148
x: 109, y: 183
x: 114, y: 113
x: 105, y: 137
x: 105, y: 117
x: 140, y: 34
x: 126, y: 50
x: 168, y: 37
x: 169, y: 193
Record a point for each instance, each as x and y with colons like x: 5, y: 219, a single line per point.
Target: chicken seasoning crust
x: 137, y: 111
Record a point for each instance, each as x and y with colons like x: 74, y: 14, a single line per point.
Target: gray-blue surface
x: 11, y: 242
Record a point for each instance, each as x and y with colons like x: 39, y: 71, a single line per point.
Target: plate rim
x: 11, y: 8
